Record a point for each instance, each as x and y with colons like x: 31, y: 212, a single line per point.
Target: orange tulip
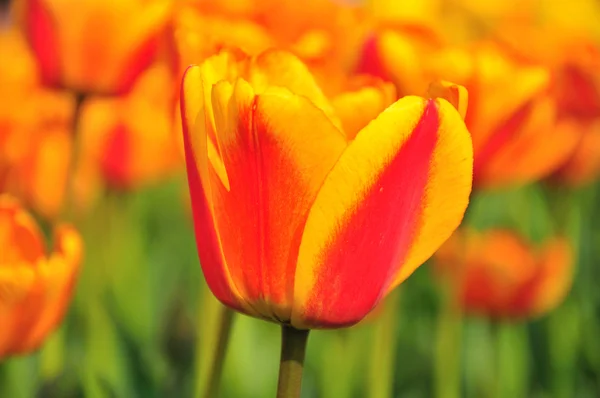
x: 297, y: 221
x: 93, y: 46
x: 511, y: 115
x: 320, y: 32
x: 35, y: 125
x: 499, y: 274
x: 128, y: 141
x: 35, y: 287
x: 578, y: 95
x: 395, y: 52
x: 583, y: 166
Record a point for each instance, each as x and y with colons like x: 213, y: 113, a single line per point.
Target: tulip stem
x: 220, y: 350
x: 448, y: 347
x: 293, y: 348
x: 384, y: 350
x: 68, y: 206
x: 512, y: 360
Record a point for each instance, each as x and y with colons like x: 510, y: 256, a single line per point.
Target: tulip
x: 35, y: 286
x: 583, y: 166
x: 395, y: 52
x: 34, y: 131
x: 524, y: 281
x: 93, y: 46
x: 295, y: 222
x: 127, y: 141
x: 515, y: 141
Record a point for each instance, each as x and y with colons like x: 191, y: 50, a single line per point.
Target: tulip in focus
x: 297, y: 221
x: 93, y: 46
x: 499, y: 274
x: 35, y: 286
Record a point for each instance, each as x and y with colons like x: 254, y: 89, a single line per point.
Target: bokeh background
x: 141, y: 318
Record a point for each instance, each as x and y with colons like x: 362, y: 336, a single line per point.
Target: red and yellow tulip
x: 499, y: 274
x: 298, y: 221
x: 93, y: 46
x: 35, y: 286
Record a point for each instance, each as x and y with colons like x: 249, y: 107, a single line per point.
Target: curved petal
x: 282, y: 69
x: 19, y: 293
x: 556, y: 276
x: 41, y: 32
x: 359, y: 107
x: 583, y: 166
x: 196, y: 143
x: 373, y: 205
x: 447, y: 191
x: 57, y: 277
x: 20, y: 237
x: 276, y: 149
x: 140, y: 44
x: 455, y: 94
x: 526, y: 150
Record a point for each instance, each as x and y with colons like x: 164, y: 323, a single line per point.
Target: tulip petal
x: 455, y: 94
x: 556, y: 278
x: 529, y: 147
x: 282, y: 69
x: 359, y: 107
x: 374, y: 204
x: 57, y: 278
x: 196, y: 144
x: 41, y: 33
x: 277, y: 149
x: 447, y: 192
x: 17, y: 299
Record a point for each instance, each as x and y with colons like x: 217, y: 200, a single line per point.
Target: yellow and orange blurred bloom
x: 128, y: 141
x: 578, y: 94
x: 298, y: 221
x: 93, y: 46
x: 35, y: 124
x: 35, y: 286
x: 499, y: 274
x: 322, y: 33
x: 511, y: 114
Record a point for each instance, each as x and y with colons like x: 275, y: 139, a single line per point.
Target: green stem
x: 217, y: 356
x: 384, y: 350
x: 512, y: 355
x: 52, y: 355
x: 563, y: 338
x: 448, y: 347
x: 293, y: 348
x: 69, y: 202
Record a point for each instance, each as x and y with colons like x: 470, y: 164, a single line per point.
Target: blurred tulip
x: 35, y: 125
x: 583, y: 166
x: 93, y: 46
x: 128, y: 141
x: 514, y: 136
x: 35, y: 287
x: 320, y: 32
x: 297, y: 223
x: 395, y: 52
x: 574, y: 62
x: 499, y: 274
